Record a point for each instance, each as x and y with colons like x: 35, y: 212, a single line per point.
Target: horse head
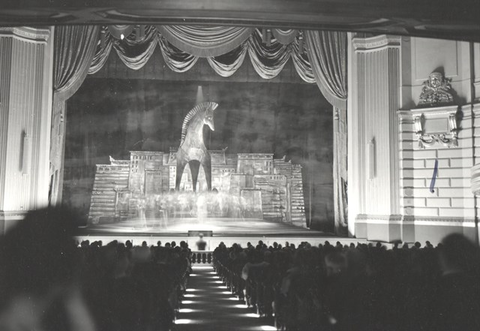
x: 208, y: 119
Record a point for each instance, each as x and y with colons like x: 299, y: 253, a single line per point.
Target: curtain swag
x: 322, y: 60
x: 327, y: 54
x: 285, y: 37
x: 205, y: 41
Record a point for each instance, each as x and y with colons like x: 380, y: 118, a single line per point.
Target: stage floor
x: 226, y: 230
x: 181, y: 226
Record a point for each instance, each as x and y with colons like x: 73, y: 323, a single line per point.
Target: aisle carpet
x: 209, y: 306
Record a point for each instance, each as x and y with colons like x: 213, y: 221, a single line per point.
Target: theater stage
x: 215, y: 230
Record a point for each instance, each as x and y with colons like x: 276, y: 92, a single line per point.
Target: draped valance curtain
x: 318, y: 57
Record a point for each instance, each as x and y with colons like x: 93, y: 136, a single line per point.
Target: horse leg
x: 207, y: 167
x: 181, y: 163
x: 194, y: 169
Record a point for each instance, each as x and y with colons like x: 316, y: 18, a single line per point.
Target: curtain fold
x: 268, y: 61
x: 285, y: 37
x: 302, y: 63
x: 205, y: 41
x: 135, y: 54
x: 340, y: 171
x: 327, y: 52
x: 175, y: 59
x: 74, y: 48
x: 102, y: 52
x: 226, y: 65
x: 118, y: 30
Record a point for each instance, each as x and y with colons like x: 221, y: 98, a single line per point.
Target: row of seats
x: 357, y: 287
x: 134, y: 288
x: 49, y: 282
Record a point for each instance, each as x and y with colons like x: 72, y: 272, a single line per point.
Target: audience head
x: 458, y: 254
x: 335, y: 263
x: 38, y: 266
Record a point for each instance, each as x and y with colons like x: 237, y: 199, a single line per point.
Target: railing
x: 202, y: 257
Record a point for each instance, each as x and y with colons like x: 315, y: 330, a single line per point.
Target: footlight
x: 252, y: 315
x: 241, y: 306
x: 183, y: 321
x: 185, y: 310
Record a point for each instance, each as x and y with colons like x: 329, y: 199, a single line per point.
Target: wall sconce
x: 24, y: 153
x: 372, y: 159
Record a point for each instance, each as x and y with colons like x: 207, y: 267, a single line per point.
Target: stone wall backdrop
x: 113, y: 115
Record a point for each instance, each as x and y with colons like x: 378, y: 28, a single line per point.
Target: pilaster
x: 373, y: 174
x: 25, y: 118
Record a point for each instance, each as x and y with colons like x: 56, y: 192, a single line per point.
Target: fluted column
x: 26, y: 64
x: 373, y: 178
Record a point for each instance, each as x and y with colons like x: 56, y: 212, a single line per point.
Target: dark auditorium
x: 239, y: 165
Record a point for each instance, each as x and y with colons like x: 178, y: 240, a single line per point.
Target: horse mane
x: 191, y: 114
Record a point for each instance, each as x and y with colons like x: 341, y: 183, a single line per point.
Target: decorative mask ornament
x: 436, y: 91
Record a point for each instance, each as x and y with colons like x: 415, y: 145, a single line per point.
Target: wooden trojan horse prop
x: 192, y: 149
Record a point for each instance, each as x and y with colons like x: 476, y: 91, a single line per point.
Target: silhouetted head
x: 458, y: 253
x: 38, y: 255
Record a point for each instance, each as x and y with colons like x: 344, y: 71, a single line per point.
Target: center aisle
x: 209, y: 306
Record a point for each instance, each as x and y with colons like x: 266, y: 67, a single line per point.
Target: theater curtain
x: 268, y: 61
x: 340, y: 171
x: 327, y: 54
x: 227, y: 64
x: 285, y: 37
x: 205, y: 41
x: 74, y: 47
x: 135, y: 53
x: 176, y: 60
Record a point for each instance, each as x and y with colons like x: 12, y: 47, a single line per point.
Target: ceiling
x: 424, y: 18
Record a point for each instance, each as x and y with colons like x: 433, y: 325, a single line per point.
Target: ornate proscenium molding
x: 433, y: 126
x: 448, y: 139
x: 475, y: 179
x: 436, y: 91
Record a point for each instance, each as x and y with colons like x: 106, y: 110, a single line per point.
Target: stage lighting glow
x: 197, y: 267
x: 186, y: 310
x: 252, y: 315
x: 183, y: 321
x: 241, y: 306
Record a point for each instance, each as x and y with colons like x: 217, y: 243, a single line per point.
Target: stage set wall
x: 389, y: 173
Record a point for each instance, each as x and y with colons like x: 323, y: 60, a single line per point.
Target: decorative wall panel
x: 25, y: 117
